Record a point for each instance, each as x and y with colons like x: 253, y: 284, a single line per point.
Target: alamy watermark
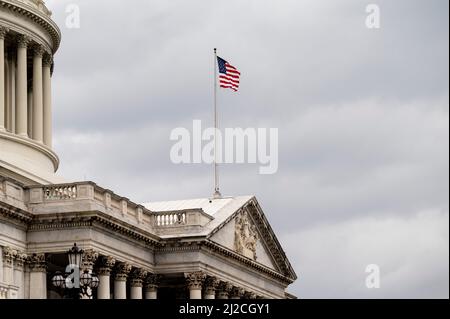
x: 234, y: 146
x: 373, y: 277
x: 373, y: 17
x: 73, y: 16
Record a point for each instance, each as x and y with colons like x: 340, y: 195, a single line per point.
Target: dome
x: 28, y: 39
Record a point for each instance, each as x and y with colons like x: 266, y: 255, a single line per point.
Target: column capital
x: 122, y: 270
x: 3, y: 32
x: 9, y: 255
x: 152, y: 281
x: 20, y: 260
x: 211, y: 284
x: 249, y: 295
x: 38, y: 50
x: 23, y: 41
x: 137, y: 277
x: 37, y: 262
x: 224, y: 289
x: 237, y: 292
x: 106, y: 265
x: 89, y: 258
x: 195, y: 279
x: 47, y: 60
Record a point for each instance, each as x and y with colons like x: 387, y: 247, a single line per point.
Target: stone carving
x: 152, y: 281
x: 237, y: 292
x: 137, y: 277
x: 246, y: 236
x: 37, y: 262
x: 89, y: 258
x: 224, y: 290
x: 8, y: 255
x: 122, y: 271
x: 38, y: 50
x: 23, y: 41
x: 195, y: 279
x: 3, y: 32
x: 249, y: 295
x: 20, y: 260
x: 211, y: 284
x: 106, y: 264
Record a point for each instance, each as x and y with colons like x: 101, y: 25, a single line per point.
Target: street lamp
x: 75, y: 255
x: 79, y: 284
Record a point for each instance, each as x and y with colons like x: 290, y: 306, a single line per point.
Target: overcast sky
x: 363, y: 119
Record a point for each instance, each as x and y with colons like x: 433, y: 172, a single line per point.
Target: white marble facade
x: 204, y: 248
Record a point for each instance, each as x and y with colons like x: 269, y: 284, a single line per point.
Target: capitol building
x: 209, y: 248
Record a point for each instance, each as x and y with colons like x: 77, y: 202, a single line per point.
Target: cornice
x: 15, y: 214
x: 36, y: 16
x: 91, y: 219
x: 247, y: 261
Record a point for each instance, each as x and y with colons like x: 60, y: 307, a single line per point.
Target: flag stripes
x: 229, y: 76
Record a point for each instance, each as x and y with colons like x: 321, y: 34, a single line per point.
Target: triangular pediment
x: 248, y: 233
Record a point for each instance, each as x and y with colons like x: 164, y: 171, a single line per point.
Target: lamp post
x: 77, y: 284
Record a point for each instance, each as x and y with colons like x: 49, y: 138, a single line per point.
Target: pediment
x: 248, y: 233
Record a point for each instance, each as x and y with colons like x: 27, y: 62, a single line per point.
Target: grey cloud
x: 363, y: 120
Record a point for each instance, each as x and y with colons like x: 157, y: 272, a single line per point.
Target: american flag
x: 228, y: 75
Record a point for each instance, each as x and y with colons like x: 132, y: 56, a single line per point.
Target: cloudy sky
x: 363, y: 119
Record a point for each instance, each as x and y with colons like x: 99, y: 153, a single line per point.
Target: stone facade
x: 205, y: 248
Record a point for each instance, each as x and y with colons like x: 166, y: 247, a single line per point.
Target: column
x: 194, y: 282
x: 11, y: 91
x: 151, y: 286
x: 237, y: 293
x: 38, y: 115
x: 137, y: 279
x: 211, y: 284
x: 224, y: 290
x: 104, y: 272
x: 47, y: 99
x: 3, y: 32
x: 38, y: 276
x: 19, y: 274
x: 89, y: 258
x: 120, y: 280
x: 21, y: 86
x: 30, y: 112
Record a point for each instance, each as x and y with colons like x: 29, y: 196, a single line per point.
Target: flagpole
x: 216, y: 127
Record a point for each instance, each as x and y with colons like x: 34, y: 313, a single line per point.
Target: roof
x: 220, y: 209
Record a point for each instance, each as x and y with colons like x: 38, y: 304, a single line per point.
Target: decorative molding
x: 137, y: 277
x: 105, y: 265
x: 20, y: 260
x: 3, y: 32
x: 37, y: 263
x: 9, y: 255
x: 195, y: 280
x: 250, y: 295
x: 38, y: 50
x: 37, y: 17
x: 237, y: 292
x: 122, y: 271
x: 224, y: 289
x: 211, y: 284
x: 23, y: 41
x: 89, y: 258
x: 47, y: 60
x: 152, y: 281
x: 245, y: 236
